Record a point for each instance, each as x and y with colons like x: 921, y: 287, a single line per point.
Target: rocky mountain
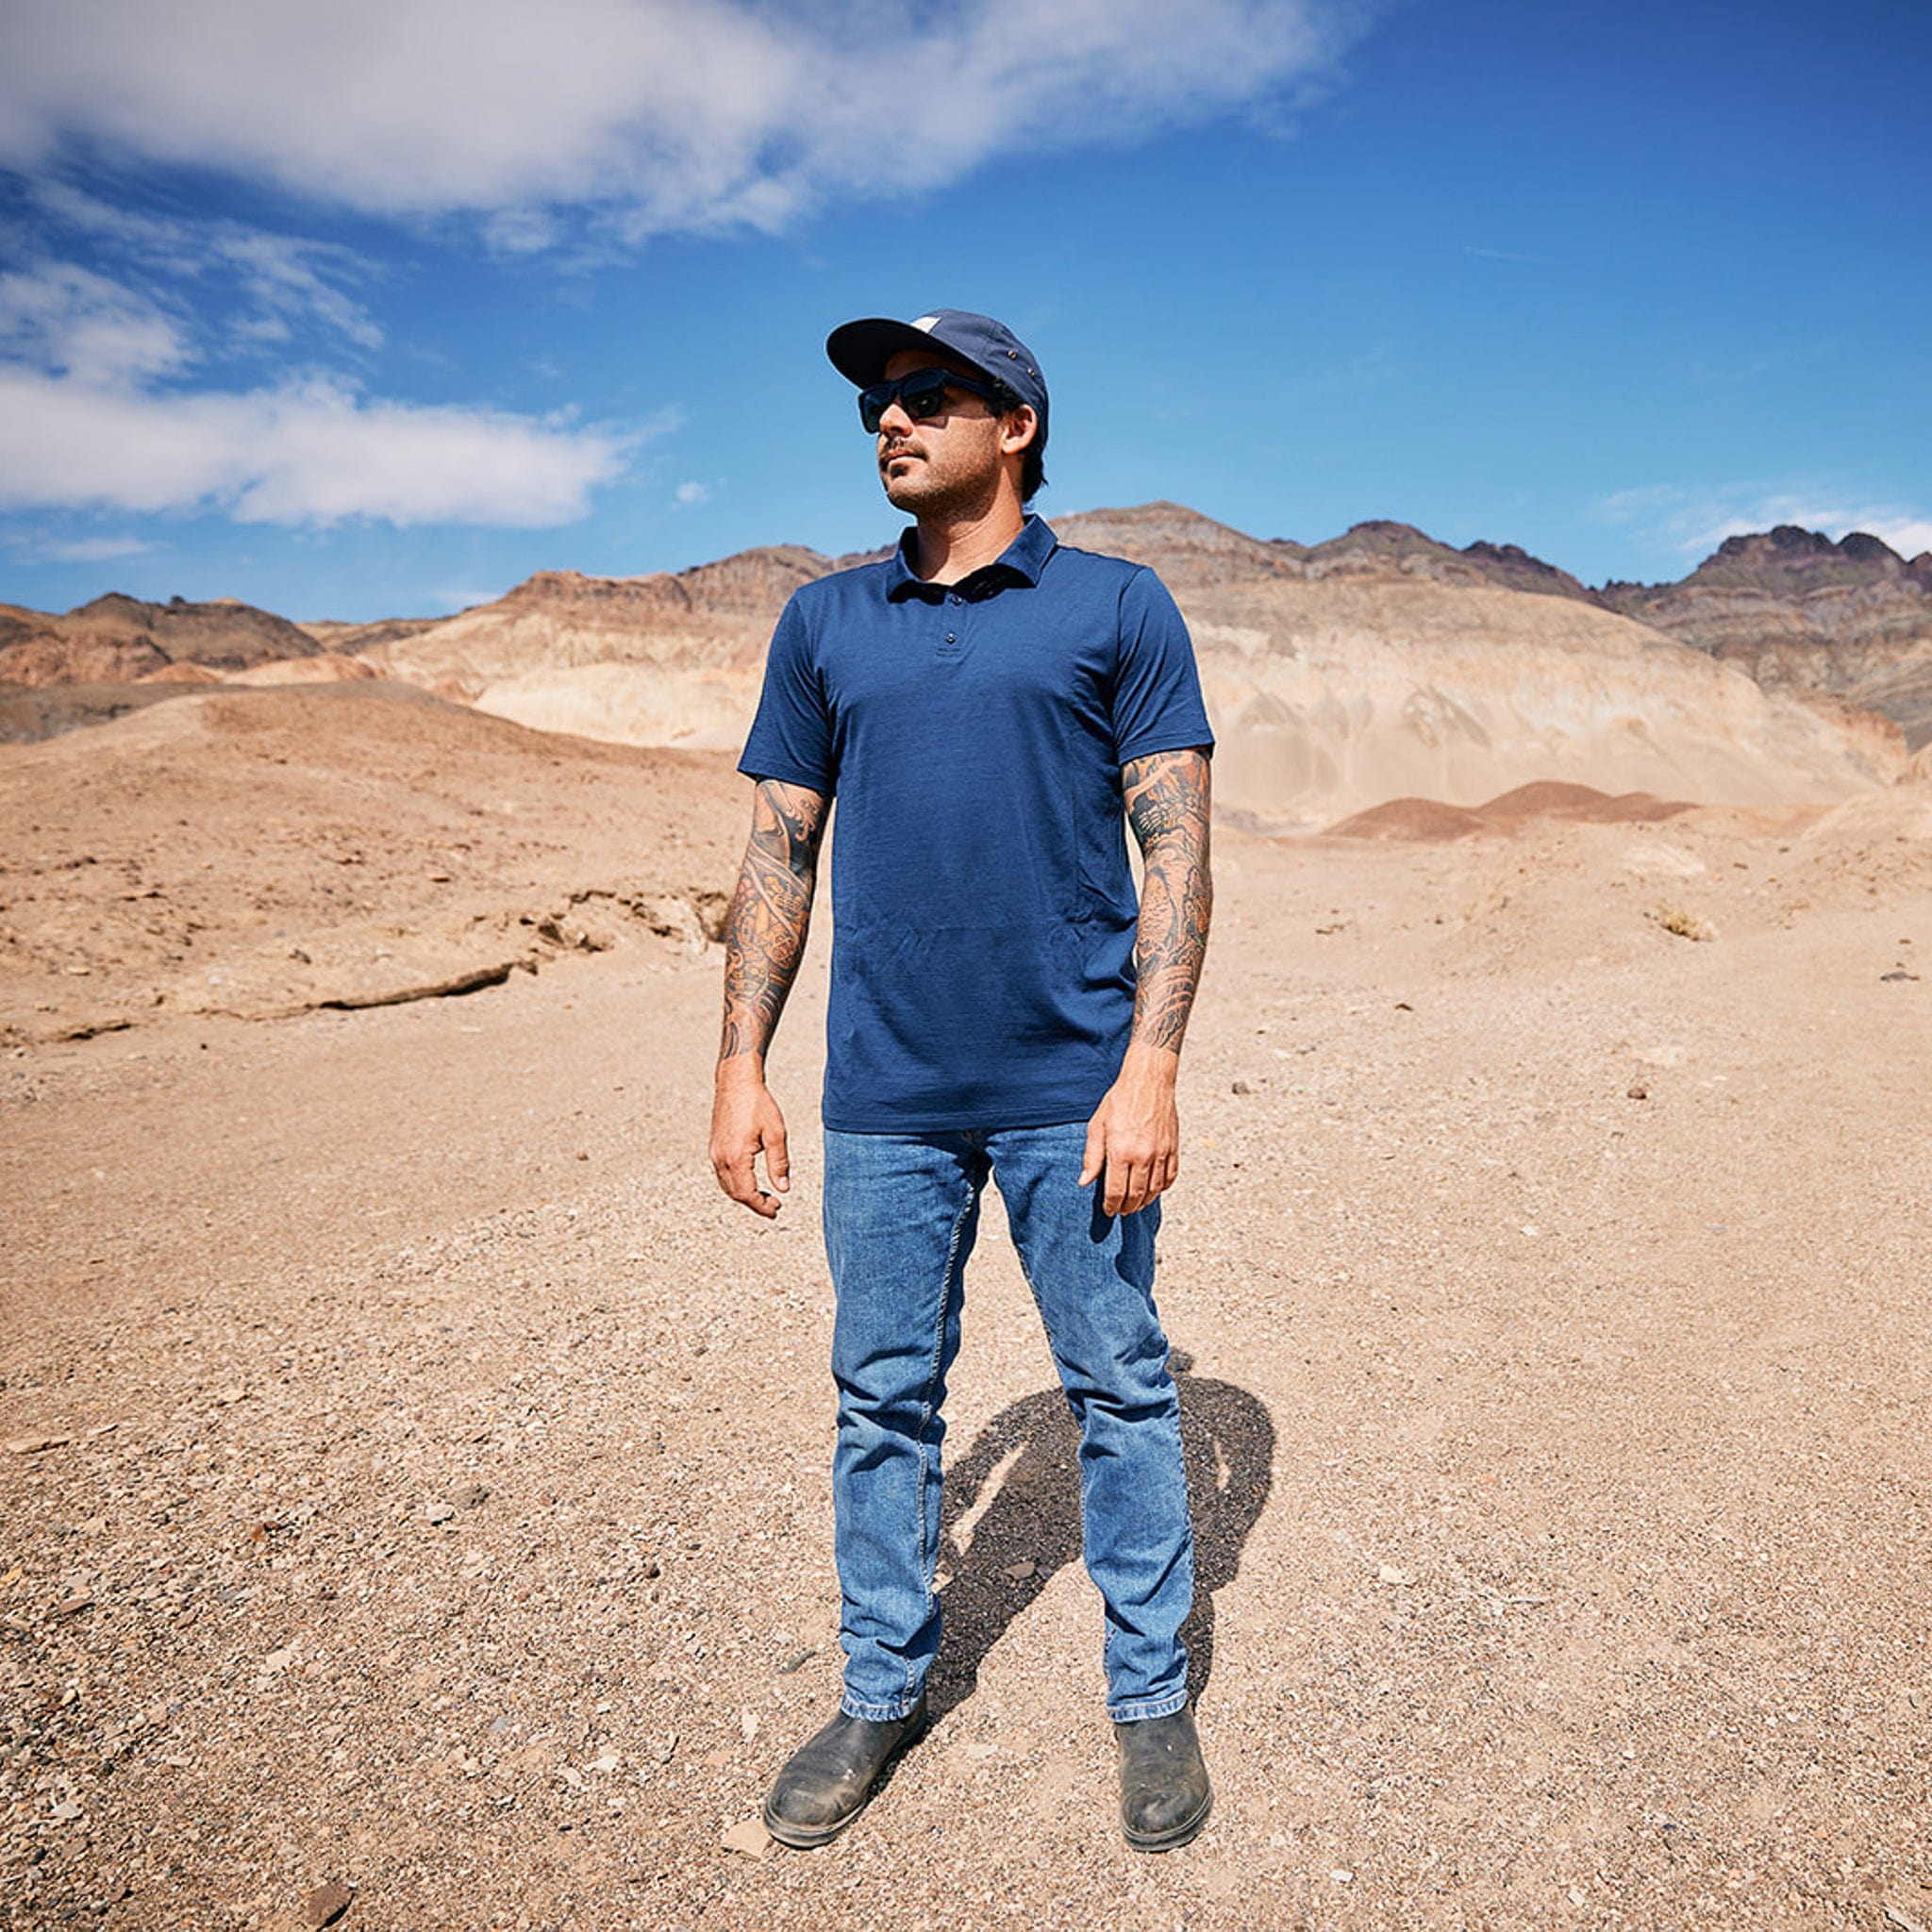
x: 117, y: 640
x: 1378, y: 664
x: 1799, y: 611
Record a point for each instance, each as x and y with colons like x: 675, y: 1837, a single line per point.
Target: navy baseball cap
x: 861, y: 350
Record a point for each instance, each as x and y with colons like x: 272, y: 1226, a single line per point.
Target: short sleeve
x: 791, y: 736
x: 1157, y: 699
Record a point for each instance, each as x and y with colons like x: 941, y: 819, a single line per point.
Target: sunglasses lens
x: 922, y: 394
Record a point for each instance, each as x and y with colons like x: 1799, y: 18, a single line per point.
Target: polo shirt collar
x: 1022, y: 561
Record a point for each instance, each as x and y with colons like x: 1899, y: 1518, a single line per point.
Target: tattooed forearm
x: 764, y: 934
x: 1167, y: 801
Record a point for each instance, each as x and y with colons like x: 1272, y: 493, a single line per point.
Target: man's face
x: 947, y: 462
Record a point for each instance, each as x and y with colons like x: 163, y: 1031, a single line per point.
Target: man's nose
x: 893, y: 420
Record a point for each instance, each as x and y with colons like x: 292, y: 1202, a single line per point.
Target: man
x: 987, y: 707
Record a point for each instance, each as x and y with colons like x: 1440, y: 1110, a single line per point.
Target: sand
x: 434, y: 1498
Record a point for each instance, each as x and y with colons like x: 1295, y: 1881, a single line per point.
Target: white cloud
x: 281, y: 280
x: 660, y: 114
x: 689, y: 495
x: 69, y: 321
x: 1694, y: 523
x: 82, y: 549
x: 303, y: 453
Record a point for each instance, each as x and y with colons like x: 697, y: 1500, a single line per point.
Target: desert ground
x: 413, y: 1499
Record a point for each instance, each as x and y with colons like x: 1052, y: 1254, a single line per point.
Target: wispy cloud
x: 655, y: 115
x: 1507, y: 255
x: 687, y: 496
x: 1695, y: 522
x: 304, y: 452
x: 80, y: 549
x: 277, y: 283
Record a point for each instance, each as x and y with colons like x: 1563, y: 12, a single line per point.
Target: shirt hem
x: 982, y: 1119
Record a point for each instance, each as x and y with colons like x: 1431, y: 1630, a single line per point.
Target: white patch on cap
x: 925, y: 322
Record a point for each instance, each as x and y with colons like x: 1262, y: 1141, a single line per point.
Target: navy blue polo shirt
x: 973, y: 735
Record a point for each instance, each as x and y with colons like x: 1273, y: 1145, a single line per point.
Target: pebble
x: 326, y: 1902
x: 32, y: 1445
x: 750, y: 1840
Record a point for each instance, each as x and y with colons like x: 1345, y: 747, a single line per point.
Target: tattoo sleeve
x: 1167, y: 801
x: 764, y: 934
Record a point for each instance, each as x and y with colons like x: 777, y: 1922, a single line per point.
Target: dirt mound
x: 1550, y: 799
x: 1423, y: 820
x: 325, y: 667
x: 184, y: 672
x: 260, y: 851
x: 31, y: 714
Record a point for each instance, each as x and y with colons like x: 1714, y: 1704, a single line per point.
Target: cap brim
x: 861, y: 350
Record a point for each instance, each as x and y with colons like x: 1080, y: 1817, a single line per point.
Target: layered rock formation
x: 1799, y: 611
x: 116, y: 640
x: 1380, y: 664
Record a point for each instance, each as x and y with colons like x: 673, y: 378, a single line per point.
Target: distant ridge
x: 673, y: 658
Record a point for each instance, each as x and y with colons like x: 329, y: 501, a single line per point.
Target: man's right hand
x: 745, y: 1121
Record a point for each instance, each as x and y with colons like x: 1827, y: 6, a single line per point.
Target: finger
x: 778, y: 1157
x: 1114, y: 1198
x: 1095, y: 1157
x: 738, y: 1175
x: 1139, y: 1185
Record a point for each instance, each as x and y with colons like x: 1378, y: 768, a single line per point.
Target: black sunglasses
x: 922, y: 394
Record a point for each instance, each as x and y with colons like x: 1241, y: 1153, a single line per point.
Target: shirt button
x: 950, y: 639
x: 953, y: 600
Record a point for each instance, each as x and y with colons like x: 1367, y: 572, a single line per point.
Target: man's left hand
x: 1134, y: 1138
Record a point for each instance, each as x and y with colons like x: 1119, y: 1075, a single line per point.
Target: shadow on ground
x: 1014, y: 1499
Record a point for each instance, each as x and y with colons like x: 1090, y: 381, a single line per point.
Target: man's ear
x: 1020, y: 426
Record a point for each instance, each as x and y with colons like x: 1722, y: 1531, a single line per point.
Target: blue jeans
x: 900, y: 1215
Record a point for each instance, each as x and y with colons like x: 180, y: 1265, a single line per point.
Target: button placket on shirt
x: 952, y: 642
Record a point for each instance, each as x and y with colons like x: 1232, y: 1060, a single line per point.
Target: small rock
x: 228, y: 1397
x: 66, y: 1813
x: 1636, y: 1090
x: 439, y: 1512
x: 70, y: 1606
x: 750, y: 1838
x: 1021, y: 1570
x: 326, y: 1902
x: 1241, y: 1086
x: 1389, y: 1574
x: 1898, y: 973
x: 794, y: 1660
x: 748, y: 1723
x: 32, y: 1445
x: 470, y: 1496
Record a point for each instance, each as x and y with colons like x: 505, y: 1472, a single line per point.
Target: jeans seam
x: 928, y: 1554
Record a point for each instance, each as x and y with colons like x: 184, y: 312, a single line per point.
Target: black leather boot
x: 826, y: 1781
x: 1165, y: 1796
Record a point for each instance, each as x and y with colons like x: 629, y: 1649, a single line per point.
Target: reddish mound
x: 1550, y: 799
x: 1423, y: 820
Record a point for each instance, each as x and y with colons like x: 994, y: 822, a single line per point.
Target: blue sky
x: 375, y: 308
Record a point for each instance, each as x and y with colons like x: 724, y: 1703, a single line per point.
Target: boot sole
x: 1174, y: 1837
x: 808, y: 1838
